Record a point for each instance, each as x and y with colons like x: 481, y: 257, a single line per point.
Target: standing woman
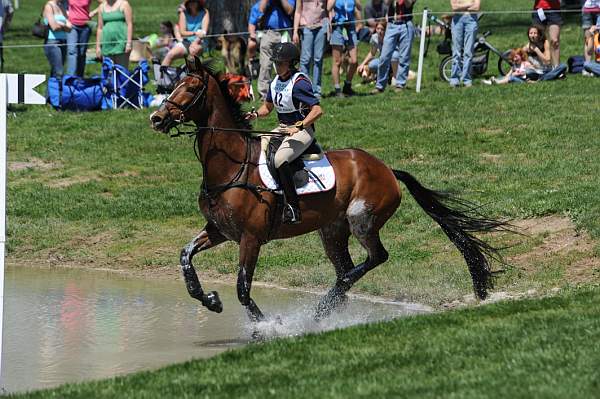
x: 78, y: 37
x: 115, y: 31
x: 193, y: 26
x: 344, y: 35
x: 311, y: 15
x: 55, y: 16
x: 547, y: 14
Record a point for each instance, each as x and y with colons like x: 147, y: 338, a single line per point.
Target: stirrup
x: 291, y: 214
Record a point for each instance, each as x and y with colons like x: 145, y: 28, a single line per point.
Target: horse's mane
x: 234, y: 107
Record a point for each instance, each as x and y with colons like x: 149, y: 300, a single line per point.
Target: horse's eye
x: 192, y: 90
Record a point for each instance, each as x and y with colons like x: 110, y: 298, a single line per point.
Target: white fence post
x: 3, y: 163
x: 422, y: 49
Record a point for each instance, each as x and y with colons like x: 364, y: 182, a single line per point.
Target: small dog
x: 233, y: 49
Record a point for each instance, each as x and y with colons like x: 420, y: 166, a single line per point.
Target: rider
x: 291, y: 94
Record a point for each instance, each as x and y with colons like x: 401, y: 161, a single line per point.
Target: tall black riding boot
x: 291, y: 209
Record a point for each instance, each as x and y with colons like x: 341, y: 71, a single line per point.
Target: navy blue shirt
x: 302, y: 97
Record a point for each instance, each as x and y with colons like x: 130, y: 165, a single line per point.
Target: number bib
x: 282, y: 94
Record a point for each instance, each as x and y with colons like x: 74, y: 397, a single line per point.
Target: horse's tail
x: 460, y: 219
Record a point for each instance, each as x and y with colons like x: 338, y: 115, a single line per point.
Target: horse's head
x: 187, y: 101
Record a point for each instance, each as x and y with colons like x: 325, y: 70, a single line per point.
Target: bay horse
x: 238, y: 207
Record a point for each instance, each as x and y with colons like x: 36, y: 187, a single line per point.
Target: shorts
x: 338, y: 39
x: 553, y: 17
x: 186, y: 44
x: 589, y: 19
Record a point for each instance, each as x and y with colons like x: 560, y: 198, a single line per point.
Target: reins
x: 213, y: 129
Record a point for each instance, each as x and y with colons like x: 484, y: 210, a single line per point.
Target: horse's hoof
x: 212, y: 302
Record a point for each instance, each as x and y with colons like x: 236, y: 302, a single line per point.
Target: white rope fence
x: 360, y: 21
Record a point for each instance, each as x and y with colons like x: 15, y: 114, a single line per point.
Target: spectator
x: 55, y: 16
x: 166, y: 41
x: 344, y: 35
x: 194, y: 21
x: 6, y: 14
x: 547, y: 13
x: 254, y: 39
x: 593, y: 66
x: 518, y: 71
x: 464, y: 32
x: 375, y: 12
x: 399, y: 35
x: 368, y: 68
x: 277, y: 16
x: 589, y: 14
x: 312, y: 16
x: 78, y: 37
x: 539, y: 54
x: 114, y: 34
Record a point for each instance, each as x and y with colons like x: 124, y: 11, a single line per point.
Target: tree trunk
x: 229, y: 15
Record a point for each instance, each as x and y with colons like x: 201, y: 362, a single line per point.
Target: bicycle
x: 481, y: 54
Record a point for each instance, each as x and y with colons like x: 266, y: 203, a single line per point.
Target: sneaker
x: 487, y: 82
x: 339, y: 94
x: 585, y: 73
x: 393, y: 83
x: 467, y: 85
x: 347, y: 90
x: 399, y: 89
x: 376, y: 91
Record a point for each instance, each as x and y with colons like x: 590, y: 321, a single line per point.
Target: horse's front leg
x: 208, y: 238
x: 249, y: 250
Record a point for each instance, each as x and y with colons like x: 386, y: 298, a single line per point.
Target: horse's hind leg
x: 208, y: 238
x: 364, y: 229
x: 335, y: 242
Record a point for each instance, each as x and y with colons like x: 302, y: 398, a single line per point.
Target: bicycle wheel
x: 504, y: 64
x: 446, y: 68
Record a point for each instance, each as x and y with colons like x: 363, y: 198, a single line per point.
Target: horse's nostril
x: 156, y: 119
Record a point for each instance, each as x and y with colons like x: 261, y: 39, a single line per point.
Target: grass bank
x: 520, y: 349
x: 104, y: 190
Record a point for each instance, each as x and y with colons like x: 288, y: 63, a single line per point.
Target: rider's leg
x: 291, y: 148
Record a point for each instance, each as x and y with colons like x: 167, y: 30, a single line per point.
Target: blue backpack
x: 576, y: 63
x: 73, y: 93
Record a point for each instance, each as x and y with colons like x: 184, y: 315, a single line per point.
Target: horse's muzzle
x: 161, y: 122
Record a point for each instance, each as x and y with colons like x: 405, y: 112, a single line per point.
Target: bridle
x: 199, y: 96
x: 199, y: 100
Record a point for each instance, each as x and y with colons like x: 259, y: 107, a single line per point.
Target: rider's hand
x: 250, y: 116
x: 290, y: 130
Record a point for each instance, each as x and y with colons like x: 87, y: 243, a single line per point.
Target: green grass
x: 116, y: 194
x: 522, y: 349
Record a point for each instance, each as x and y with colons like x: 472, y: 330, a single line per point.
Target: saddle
x: 314, y: 152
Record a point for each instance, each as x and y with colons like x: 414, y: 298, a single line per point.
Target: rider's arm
x: 265, y: 109
x: 315, y: 113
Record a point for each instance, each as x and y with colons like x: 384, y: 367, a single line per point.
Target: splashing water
x: 298, y: 318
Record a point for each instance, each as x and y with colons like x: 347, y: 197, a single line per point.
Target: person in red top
x: 547, y: 13
x: 78, y: 37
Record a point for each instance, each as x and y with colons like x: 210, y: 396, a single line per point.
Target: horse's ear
x: 193, y: 64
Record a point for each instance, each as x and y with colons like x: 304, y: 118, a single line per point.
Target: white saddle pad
x: 322, y: 169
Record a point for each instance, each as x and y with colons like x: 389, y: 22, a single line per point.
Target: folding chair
x: 124, y: 88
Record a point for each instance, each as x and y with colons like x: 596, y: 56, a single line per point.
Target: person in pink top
x: 78, y: 37
x: 547, y: 13
x: 311, y: 16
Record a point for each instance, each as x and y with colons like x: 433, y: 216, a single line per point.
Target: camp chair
x: 124, y: 88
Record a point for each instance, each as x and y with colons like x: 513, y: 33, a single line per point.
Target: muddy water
x: 71, y: 325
